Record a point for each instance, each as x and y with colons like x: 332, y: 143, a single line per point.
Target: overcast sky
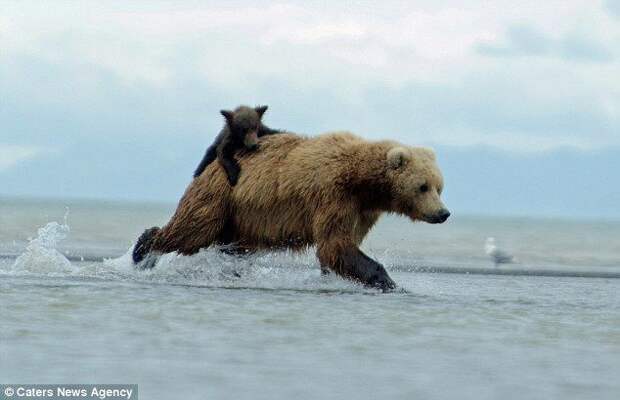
x: 119, y: 99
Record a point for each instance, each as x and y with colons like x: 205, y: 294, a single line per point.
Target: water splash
x: 213, y: 268
x: 208, y: 268
x: 41, y: 254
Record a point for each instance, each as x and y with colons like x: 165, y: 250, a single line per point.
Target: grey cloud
x: 493, y: 104
x: 528, y: 41
x: 580, y: 48
x: 488, y: 104
x: 520, y: 41
x: 613, y: 6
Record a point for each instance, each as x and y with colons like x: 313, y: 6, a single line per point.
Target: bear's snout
x: 251, y: 140
x: 440, y: 217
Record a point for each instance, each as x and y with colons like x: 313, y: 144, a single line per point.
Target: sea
x: 270, y: 326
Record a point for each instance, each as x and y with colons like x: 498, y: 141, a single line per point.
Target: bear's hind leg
x: 187, y: 234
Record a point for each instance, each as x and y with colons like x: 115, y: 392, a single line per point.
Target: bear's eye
x: 424, y: 188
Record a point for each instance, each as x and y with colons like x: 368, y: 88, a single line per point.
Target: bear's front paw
x: 382, y: 281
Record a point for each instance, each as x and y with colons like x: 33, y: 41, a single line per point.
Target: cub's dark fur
x: 242, y: 129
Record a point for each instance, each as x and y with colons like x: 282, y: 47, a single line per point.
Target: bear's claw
x: 382, y: 281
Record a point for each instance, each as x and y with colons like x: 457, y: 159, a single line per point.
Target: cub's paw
x: 233, y: 179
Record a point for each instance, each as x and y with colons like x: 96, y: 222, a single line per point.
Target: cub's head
x: 244, y: 123
x: 416, y: 183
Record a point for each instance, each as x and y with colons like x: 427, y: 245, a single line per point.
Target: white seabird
x: 498, y: 256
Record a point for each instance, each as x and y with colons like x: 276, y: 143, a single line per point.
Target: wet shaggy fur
x: 296, y: 192
x: 240, y: 125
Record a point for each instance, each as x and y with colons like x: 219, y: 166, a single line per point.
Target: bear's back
x: 289, y: 165
x: 285, y: 183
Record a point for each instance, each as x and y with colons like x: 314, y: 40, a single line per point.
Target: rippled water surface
x: 192, y: 329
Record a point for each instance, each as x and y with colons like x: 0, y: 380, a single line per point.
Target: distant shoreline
x: 171, y: 205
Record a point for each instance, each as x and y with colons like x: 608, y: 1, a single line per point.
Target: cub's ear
x: 397, y: 157
x: 229, y: 115
x: 261, y: 110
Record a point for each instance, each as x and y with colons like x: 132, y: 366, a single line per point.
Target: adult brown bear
x: 296, y: 192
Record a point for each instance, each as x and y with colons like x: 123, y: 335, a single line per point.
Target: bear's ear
x: 261, y: 110
x: 229, y: 115
x: 397, y: 157
x: 429, y: 152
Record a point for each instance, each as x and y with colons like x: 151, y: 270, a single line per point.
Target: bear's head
x: 416, y: 183
x: 244, y: 124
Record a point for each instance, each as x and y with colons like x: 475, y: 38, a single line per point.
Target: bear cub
x: 242, y: 129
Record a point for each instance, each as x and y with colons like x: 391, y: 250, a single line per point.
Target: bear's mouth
x: 412, y: 213
x: 437, y: 218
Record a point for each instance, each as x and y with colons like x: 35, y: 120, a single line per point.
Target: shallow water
x: 192, y: 329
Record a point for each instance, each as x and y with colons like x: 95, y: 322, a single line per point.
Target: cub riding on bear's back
x: 297, y: 192
x: 242, y: 129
